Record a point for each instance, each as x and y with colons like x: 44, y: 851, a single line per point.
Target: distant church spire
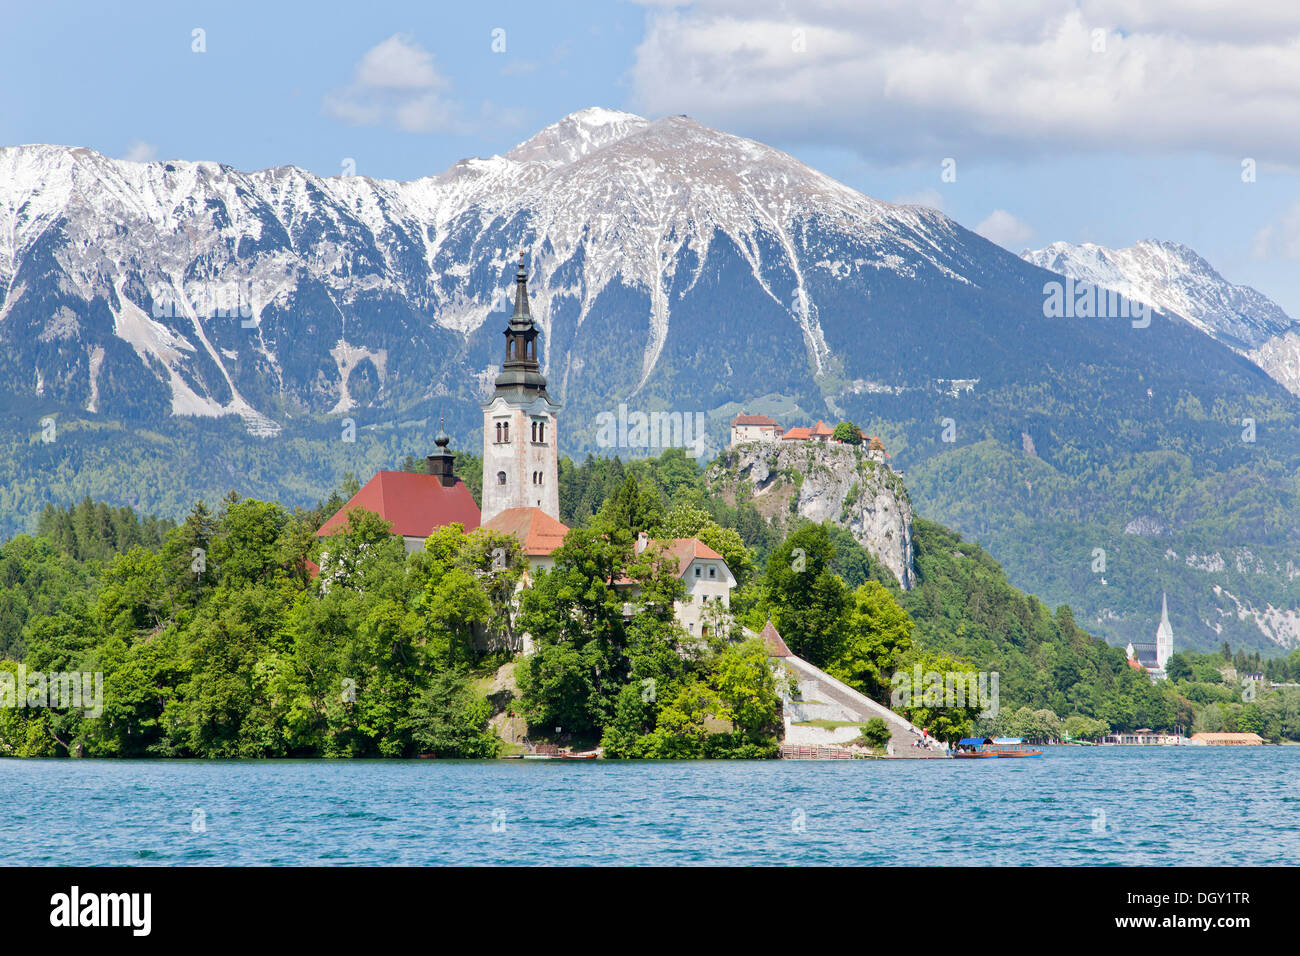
x: 1164, y: 634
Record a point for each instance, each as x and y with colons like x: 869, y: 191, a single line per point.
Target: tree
x: 848, y: 433
x: 809, y: 602
x: 878, y: 634
x: 449, y: 720
x: 876, y: 733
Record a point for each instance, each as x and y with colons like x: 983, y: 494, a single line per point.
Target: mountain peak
x: 1175, y: 278
x: 576, y: 135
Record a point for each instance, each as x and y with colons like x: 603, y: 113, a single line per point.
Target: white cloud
x: 138, y: 151
x: 395, y: 83
x: 1005, y: 229
x: 905, y: 80
x: 1279, y: 239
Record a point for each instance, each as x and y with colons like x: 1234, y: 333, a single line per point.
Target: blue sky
x: 1081, y: 120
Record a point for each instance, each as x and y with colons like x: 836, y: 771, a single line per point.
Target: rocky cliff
x: 792, y: 482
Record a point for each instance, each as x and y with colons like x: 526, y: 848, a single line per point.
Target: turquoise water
x: 1167, y: 806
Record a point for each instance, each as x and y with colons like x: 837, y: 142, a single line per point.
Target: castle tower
x: 520, y: 451
x: 1164, y: 635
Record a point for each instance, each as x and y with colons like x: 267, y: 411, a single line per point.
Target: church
x: 1154, y: 658
x: 521, y: 494
x: 520, y: 462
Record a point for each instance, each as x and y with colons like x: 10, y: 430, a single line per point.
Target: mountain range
x: 185, y: 328
x: 1172, y: 277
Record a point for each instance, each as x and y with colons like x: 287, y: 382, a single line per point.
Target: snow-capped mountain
x: 277, y: 293
x: 673, y: 268
x: 1172, y: 277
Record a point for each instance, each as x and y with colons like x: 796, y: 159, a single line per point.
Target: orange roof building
x: 539, y: 533
x: 708, y: 581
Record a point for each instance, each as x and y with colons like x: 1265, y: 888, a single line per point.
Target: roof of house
x: 685, y: 550
x: 1227, y: 738
x: 776, y: 647
x: 798, y: 433
x: 821, y: 428
x: 752, y: 420
x: 539, y: 532
x: 412, y: 502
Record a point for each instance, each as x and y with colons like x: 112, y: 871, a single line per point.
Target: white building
x: 708, y: 581
x: 747, y: 428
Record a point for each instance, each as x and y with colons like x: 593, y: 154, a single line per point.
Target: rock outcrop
x: 794, y: 481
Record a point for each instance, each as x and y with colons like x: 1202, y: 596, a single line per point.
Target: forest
x: 216, y: 638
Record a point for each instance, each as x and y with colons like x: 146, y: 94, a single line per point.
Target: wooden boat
x: 1014, y: 747
x: 589, y: 755
x: 981, y: 747
x: 970, y: 748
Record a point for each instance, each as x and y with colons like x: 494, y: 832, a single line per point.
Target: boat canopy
x: 1008, y: 740
x: 973, y: 741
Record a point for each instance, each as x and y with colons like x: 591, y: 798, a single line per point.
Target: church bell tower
x: 520, y: 451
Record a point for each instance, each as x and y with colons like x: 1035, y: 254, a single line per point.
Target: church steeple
x: 520, y: 446
x: 521, y: 377
x: 442, y: 462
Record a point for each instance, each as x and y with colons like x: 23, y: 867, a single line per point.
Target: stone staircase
x: 822, y: 697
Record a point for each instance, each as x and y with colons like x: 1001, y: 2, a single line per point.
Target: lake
x: 1093, y: 806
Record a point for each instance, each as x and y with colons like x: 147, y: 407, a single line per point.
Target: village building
x: 708, y: 580
x: 747, y: 428
x: 1227, y: 739
x: 538, y: 533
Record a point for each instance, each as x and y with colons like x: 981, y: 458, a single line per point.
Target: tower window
x: 505, y: 432
x: 501, y: 477
x: 541, y: 431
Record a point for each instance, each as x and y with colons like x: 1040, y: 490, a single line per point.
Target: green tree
x: 848, y: 433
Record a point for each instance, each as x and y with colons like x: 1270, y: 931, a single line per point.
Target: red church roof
x: 540, y: 533
x: 414, y: 503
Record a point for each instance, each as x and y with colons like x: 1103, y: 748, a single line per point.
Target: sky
x: 1030, y: 121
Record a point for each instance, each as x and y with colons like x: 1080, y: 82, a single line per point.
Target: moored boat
x: 1014, y: 747
x: 971, y: 747
x: 974, y: 747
